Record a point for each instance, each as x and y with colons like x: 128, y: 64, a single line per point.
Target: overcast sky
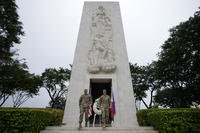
x: 51, y: 31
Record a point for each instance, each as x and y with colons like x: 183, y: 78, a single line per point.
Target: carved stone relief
x: 101, y: 56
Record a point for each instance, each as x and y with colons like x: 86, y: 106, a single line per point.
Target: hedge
x: 57, y: 116
x: 142, y: 116
x: 171, y: 120
x: 25, y: 120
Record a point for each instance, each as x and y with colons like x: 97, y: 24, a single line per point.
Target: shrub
x: 172, y: 120
x: 19, y: 120
x: 57, y: 116
x: 142, y: 116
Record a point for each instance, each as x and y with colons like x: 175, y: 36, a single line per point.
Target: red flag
x: 89, y: 111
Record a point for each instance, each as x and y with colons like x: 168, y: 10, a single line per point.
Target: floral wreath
x: 96, y: 107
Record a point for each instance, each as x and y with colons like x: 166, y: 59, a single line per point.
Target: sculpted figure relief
x: 101, y: 55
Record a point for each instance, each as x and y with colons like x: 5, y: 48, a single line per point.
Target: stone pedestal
x: 101, y: 54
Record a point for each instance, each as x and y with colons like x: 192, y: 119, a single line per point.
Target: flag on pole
x: 113, y: 109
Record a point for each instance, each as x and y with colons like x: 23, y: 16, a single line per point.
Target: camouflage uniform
x: 105, y: 105
x: 84, y: 102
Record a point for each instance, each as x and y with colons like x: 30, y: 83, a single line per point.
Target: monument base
x: 64, y: 129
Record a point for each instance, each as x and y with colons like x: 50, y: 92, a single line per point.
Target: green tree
x: 139, y: 82
x: 170, y: 97
x: 10, y: 32
x: 17, y: 82
x: 178, y: 66
x: 153, y: 82
x: 59, y: 103
x: 29, y: 85
x: 144, y: 81
x: 10, y: 29
x: 55, y: 82
x: 9, y: 79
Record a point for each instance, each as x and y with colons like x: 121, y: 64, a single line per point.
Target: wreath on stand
x: 96, y: 107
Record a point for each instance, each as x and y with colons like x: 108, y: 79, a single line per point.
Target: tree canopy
x: 10, y: 29
x: 15, y: 78
x: 178, y: 66
x: 144, y: 81
x: 29, y: 85
x: 55, y: 81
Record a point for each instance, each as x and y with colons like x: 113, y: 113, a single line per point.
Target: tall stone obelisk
x: 101, y: 56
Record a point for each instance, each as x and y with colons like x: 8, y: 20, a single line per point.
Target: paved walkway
x: 64, y: 129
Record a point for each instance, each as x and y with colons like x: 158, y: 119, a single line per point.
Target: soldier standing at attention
x: 84, y: 102
x: 105, y: 105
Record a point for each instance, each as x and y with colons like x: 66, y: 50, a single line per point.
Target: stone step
x: 64, y: 129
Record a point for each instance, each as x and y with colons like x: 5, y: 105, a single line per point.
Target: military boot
x: 80, y: 126
x: 85, y: 124
x: 104, y: 125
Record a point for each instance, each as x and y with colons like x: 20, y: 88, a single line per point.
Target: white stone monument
x: 101, y: 62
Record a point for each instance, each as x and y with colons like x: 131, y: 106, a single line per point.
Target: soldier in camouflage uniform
x: 105, y: 106
x: 84, y: 102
